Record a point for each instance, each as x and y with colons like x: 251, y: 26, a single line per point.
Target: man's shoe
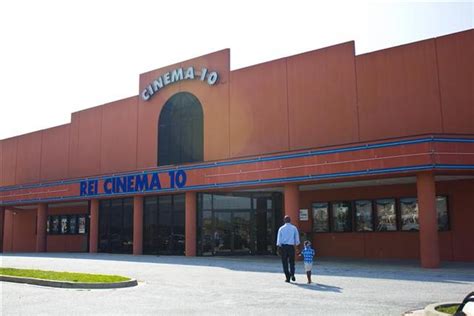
x: 293, y: 278
x: 287, y: 280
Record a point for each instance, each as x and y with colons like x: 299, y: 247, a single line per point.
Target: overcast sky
x: 58, y: 57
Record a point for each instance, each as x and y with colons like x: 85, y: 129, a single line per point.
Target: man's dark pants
x: 288, y: 255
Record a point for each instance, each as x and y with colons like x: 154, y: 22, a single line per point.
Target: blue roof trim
x: 251, y: 160
x: 256, y: 182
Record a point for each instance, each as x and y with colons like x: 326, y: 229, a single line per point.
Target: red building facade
x: 371, y: 155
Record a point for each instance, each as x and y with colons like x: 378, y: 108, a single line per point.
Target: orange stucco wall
x: 119, y: 121
x: 55, y: 153
x: 322, y: 97
x: 454, y: 245
x: 9, y: 161
x: 19, y: 234
x: 456, y: 79
x: 398, y: 92
x: 84, y: 144
x: 319, y: 98
x: 258, y: 109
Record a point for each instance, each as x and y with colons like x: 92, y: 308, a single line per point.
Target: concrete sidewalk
x: 234, y: 286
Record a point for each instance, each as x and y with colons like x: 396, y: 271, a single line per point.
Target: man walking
x: 287, y: 239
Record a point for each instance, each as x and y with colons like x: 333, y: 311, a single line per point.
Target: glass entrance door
x: 222, y: 232
x: 237, y: 224
x: 116, y: 226
x: 163, y: 225
x: 232, y: 233
x: 241, y: 232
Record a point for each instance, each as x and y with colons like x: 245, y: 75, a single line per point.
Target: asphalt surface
x: 234, y: 286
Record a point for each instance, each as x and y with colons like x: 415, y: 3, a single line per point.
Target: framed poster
x: 304, y: 214
x: 385, y: 215
x: 81, y: 223
x: 55, y: 225
x: 442, y: 210
x: 64, y: 225
x: 320, y: 217
x: 364, y: 219
x: 73, y: 224
x: 409, y: 214
x: 341, y: 217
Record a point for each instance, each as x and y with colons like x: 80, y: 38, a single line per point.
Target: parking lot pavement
x: 234, y: 286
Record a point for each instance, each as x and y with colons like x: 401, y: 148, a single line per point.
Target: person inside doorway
x: 288, y: 239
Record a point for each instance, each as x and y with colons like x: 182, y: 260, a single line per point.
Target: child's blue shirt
x: 308, y: 254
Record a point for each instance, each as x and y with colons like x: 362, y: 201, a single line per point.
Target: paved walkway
x: 234, y: 286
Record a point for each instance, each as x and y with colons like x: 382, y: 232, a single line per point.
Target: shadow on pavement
x: 462, y: 273
x: 319, y: 287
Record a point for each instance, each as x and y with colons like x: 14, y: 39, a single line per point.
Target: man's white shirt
x: 288, y: 235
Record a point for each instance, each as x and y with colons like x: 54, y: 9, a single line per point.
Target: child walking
x: 308, y: 254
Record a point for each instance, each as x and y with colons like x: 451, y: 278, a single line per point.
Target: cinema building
x: 371, y: 155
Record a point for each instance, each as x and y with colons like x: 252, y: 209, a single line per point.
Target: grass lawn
x: 450, y: 309
x: 63, y: 276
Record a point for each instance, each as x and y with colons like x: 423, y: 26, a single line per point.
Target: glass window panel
x: 269, y: 204
x: 364, y: 220
x: 207, y: 233
x: 178, y: 202
x: 73, y: 224
x: 164, y: 230
x: 320, y: 217
x: 55, y: 225
x: 223, y: 232
x: 270, y: 232
x: 409, y: 214
x: 230, y: 202
x: 150, y: 225
x: 81, y: 224
x: 180, y: 130
x: 385, y: 215
x: 164, y: 202
x: 206, y: 202
x: 178, y: 232
x: 127, y: 226
x: 241, y: 231
x: 341, y: 217
x: 150, y: 201
x: 442, y: 210
x: 64, y: 225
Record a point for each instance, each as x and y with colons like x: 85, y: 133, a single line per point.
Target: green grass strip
x: 63, y: 276
x: 450, y: 309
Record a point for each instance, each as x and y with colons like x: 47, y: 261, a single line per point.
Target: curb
x: 69, y: 285
x: 431, y: 311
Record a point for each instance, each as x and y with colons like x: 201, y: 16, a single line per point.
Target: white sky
x: 58, y: 57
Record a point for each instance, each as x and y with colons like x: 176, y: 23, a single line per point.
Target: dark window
x: 55, y: 225
x: 115, y: 225
x: 180, y: 130
x: 442, y: 210
x: 320, y: 217
x: 72, y: 224
x: 341, y: 217
x: 364, y: 218
x: 163, y: 225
